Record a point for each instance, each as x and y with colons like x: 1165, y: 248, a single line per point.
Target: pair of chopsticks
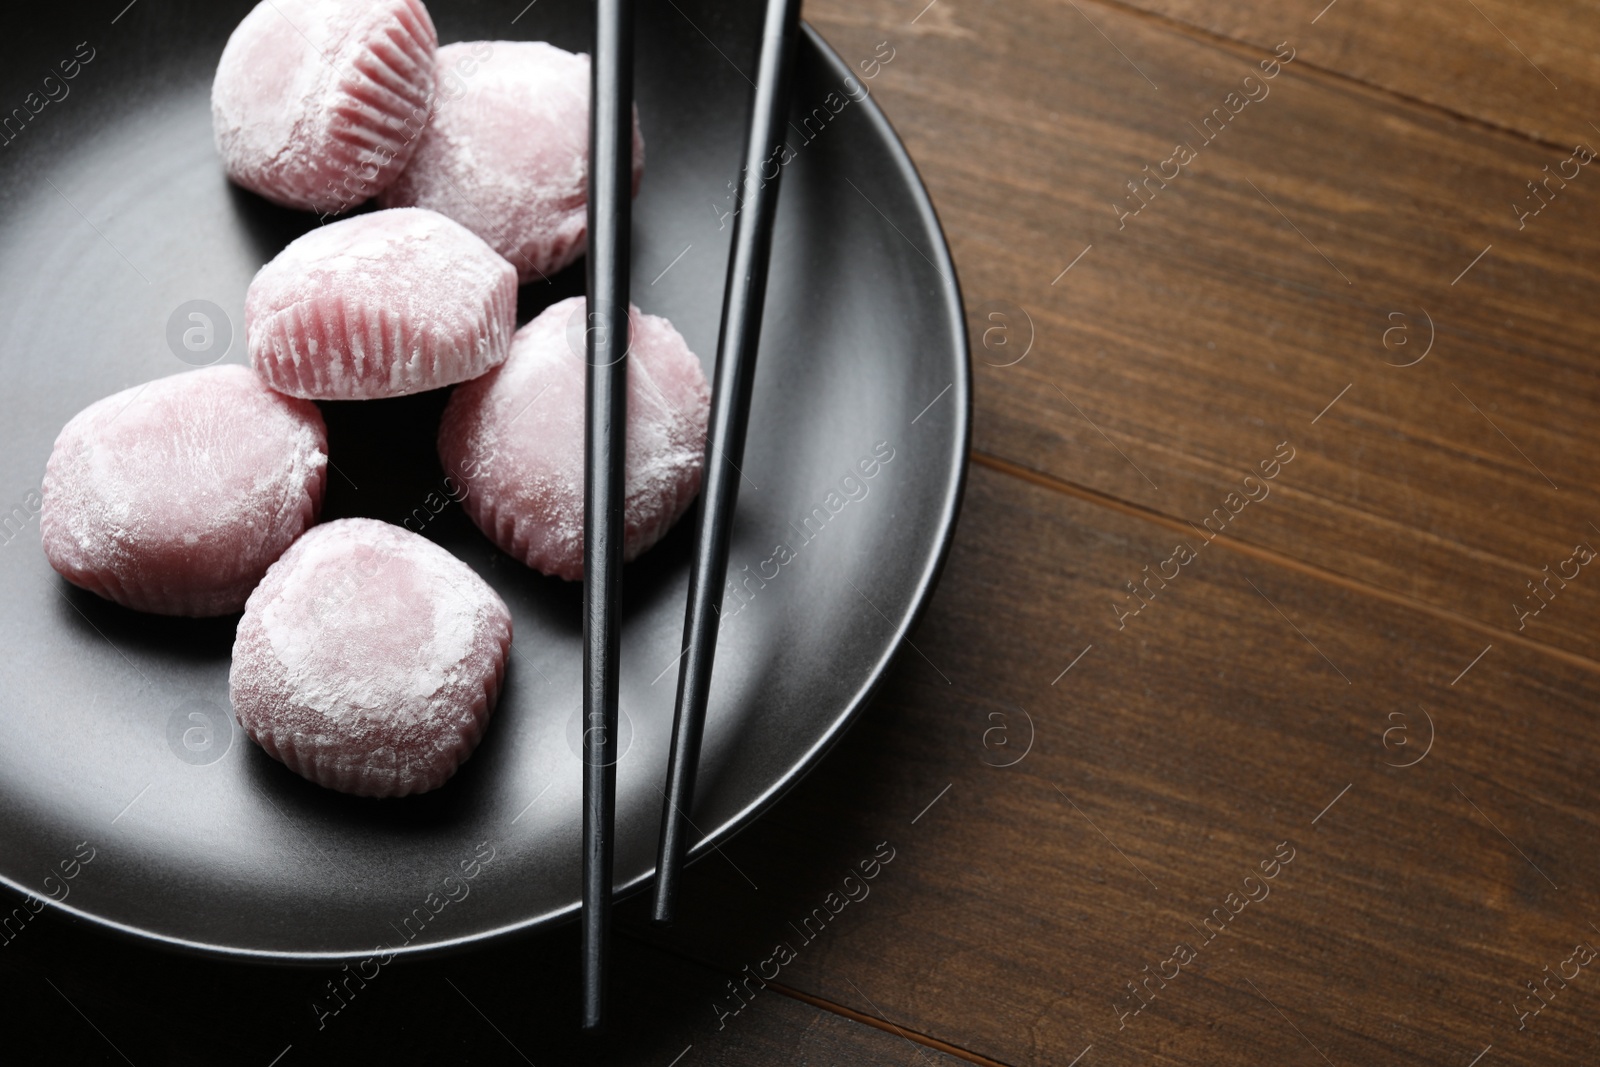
x: 606, y: 344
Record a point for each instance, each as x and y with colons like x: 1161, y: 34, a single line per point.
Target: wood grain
x: 1316, y: 243
x: 1245, y: 706
x: 1532, y: 68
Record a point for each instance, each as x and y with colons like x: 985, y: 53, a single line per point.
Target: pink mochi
x: 317, y: 104
x: 384, y: 304
x: 369, y: 660
x: 507, y: 151
x: 515, y: 439
x: 175, y: 496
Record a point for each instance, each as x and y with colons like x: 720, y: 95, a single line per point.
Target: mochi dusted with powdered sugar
x: 369, y: 660
x: 317, y: 104
x: 175, y: 496
x: 506, y: 153
x: 384, y: 304
x: 515, y: 438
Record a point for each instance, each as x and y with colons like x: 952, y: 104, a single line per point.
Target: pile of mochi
x: 368, y: 659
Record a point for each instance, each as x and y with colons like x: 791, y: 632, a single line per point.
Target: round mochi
x: 506, y: 153
x: 317, y: 103
x: 384, y: 304
x: 515, y: 439
x: 369, y: 660
x: 175, y: 496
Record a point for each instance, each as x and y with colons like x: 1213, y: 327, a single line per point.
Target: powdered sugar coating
x: 384, y: 304
x: 515, y: 438
x: 175, y: 496
x: 317, y: 104
x: 369, y: 659
x: 506, y: 153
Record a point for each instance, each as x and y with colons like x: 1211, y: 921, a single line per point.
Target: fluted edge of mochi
x: 336, y: 748
x: 358, y: 775
x: 359, y: 119
x: 319, y: 325
x: 103, y: 553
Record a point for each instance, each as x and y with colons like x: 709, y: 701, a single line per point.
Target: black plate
x: 116, y: 735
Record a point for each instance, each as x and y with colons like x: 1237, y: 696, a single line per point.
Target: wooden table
x: 1252, y: 720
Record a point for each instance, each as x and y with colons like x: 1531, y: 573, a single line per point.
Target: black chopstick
x: 744, y: 293
x: 606, y: 351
